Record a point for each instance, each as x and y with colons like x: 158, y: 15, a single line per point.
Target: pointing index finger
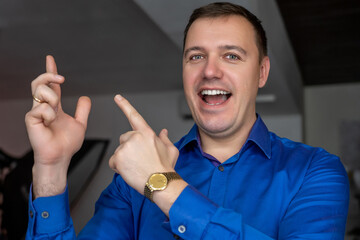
x: 52, y: 68
x: 136, y: 121
x: 50, y: 64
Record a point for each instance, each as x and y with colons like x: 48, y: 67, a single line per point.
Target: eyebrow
x: 233, y: 47
x: 225, y: 47
x: 196, y: 48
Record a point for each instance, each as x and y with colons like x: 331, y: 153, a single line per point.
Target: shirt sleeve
x: 49, y: 218
x: 318, y: 211
x: 203, y: 219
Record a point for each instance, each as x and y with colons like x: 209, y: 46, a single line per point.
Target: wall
x: 287, y: 126
x: 325, y: 108
x: 13, y: 137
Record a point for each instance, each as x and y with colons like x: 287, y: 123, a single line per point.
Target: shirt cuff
x: 191, y: 213
x: 49, y: 214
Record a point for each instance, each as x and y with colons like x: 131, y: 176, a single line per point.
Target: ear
x: 264, y: 71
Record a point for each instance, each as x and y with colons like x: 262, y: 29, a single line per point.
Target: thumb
x: 163, y: 135
x: 82, y: 110
x: 174, y: 152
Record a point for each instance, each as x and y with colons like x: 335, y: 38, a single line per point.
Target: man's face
x: 222, y: 74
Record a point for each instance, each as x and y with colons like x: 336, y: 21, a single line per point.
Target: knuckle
x: 119, y: 152
x: 111, y: 163
x: 40, y: 89
x: 37, y: 80
x: 56, y: 99
x: 33, y: 85
x: 43, y: 107
x: 125, y: 136
x: 44, y: 89
x: 121, y: 138
x: 174, y: 150
x: 27, y: 116
x: 116, y: 163
x: 137, y: 136
x: 116, y: 152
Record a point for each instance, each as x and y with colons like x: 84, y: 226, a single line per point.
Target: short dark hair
x: 223, y: 9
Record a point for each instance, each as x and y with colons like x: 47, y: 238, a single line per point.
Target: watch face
x: 158, y: 181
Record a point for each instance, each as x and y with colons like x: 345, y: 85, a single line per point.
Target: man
x: 228, y: 178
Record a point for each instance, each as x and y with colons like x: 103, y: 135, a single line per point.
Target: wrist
x: 166, y: 198
x: 48, y: 180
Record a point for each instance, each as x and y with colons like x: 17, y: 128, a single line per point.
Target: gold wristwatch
x: 158, y: 182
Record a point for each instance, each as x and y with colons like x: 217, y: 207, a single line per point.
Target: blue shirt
x: 273, y: 188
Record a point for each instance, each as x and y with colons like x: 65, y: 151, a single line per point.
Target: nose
x: 212, y: 68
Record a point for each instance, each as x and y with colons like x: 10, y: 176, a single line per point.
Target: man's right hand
x: 54, y: 135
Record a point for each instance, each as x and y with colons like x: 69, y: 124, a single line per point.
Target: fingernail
x: 59, y: 77
x: 118, y: 97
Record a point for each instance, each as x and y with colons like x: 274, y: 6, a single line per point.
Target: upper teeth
x: 213, y: 92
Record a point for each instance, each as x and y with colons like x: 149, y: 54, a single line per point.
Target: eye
x: 196, y: 57
x: 232, y: 56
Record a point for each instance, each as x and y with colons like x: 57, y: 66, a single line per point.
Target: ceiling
x: 325, y: 36
x: 101, y: 47
x: 110, y: 46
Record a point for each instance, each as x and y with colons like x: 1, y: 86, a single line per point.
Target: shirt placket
x: 217, y: 187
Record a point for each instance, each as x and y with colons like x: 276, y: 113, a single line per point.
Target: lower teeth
x: 213, y: 104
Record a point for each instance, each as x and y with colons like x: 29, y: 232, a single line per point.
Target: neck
x: 224, y: 147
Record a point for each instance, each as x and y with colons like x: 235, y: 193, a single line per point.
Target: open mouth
x: 214, y: 97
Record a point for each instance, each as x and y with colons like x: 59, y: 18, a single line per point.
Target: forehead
x: 231, y: 29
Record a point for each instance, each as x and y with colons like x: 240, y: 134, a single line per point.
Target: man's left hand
x: 141, y: 152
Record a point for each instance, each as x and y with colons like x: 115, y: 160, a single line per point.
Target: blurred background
x: 134, y: 47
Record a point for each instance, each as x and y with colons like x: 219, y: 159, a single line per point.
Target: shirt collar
x: 191, y: 136
x: 259, y: 135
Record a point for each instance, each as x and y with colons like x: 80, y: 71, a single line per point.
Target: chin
x: 215, y: 129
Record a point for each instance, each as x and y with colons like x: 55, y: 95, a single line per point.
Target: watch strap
x: 171, y: 176
x: 148, y: 192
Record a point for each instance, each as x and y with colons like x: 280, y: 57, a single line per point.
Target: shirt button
x: 221, y: 168
x: 181, y: 229
x: 45, y: 214
x: 31, y: 214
